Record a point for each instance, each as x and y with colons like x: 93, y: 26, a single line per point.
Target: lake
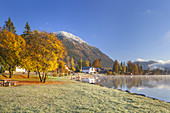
x: 155, y: 86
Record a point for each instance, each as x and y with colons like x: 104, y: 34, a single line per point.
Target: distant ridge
x: 78, y: 48
x: 145, y: 64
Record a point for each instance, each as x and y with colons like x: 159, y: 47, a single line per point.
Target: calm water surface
x: 156, y: 86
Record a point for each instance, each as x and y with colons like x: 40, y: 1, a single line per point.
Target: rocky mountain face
x: 78, y: 48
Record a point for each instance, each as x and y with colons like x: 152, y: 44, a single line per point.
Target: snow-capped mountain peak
x: 70, y: 36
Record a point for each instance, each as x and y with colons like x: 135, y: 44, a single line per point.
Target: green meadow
x: 72, y: 96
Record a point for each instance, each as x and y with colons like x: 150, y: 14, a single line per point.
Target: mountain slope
x: 145, y: 64
x: 78, y: 48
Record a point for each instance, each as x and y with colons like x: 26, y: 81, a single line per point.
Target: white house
x: 19, y: 69
x: 88, y: 69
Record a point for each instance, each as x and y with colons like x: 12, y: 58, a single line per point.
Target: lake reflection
x: 156, y: 86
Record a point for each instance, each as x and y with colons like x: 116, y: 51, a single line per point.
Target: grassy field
x: 72, y: 96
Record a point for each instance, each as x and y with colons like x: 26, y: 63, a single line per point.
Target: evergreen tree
x: 27, y: 33
x: 122, y: 69
x: 80, y: 63
x: 9, y: 26
x: 27, y: 29
x: 90, y: 64
x: 27, y: 62
x: 78, y: 69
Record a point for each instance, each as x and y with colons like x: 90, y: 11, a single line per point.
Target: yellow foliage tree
x: 45, y: 51
x: 11, y: 48
x: 27, y: 60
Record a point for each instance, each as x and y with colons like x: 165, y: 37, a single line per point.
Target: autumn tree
x: 129, y: 67
x: 11, y: 48
x: 148, y: 70
x: 9, y: 26
x: 124, y: 69
x: 47, y: 50
x: 68, y: 61
x: 85, y: 63
x: 100, y: 61
x: 135, y: 69
x: 116, y: 67
x: 72, y: 62
x: 96, y: 63
x: 121, y: 69
x: 61, y: 64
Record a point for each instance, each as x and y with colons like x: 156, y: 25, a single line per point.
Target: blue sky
x: 123, y: 29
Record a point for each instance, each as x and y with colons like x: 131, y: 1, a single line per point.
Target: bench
x: 7, y: 82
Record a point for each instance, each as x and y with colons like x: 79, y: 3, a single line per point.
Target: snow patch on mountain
x: 140, y: 60
x: 70, y: 36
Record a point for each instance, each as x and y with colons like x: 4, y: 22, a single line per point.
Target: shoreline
x: 140, y: 94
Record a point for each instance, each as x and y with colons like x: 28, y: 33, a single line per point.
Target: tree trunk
x: 10, y: 72
x: 45, y: 78
x: 28, y: 74
x: 39, y: 74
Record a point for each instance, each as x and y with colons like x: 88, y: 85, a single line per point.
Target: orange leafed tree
x: 96, y: 63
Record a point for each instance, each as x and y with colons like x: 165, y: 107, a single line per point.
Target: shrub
x: 66, y: 74
x: 61, y: 74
